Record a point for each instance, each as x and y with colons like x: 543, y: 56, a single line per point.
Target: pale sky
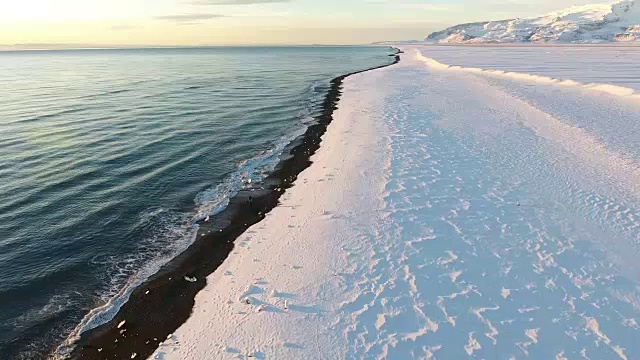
x: 43, y: 23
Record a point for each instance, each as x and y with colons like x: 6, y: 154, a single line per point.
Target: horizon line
x: 63, y: 47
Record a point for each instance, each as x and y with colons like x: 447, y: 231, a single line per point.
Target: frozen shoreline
x: 165, y: 302
x: 447, y: 215
x: 288, y: 266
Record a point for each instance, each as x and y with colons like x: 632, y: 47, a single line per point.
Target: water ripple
x: 107, y: 157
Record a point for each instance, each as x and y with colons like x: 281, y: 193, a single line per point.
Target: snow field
x: 447, y: 215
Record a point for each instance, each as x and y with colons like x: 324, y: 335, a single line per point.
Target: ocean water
x: 108, y: 156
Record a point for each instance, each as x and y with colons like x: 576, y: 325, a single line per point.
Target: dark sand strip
x: 163, y: 303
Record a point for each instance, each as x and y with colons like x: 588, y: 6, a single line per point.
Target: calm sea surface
x: 108, y: 156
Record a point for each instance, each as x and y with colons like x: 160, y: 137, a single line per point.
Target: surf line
x: 164, y: 302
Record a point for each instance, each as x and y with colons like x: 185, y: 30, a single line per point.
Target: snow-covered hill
x: 615, y: 22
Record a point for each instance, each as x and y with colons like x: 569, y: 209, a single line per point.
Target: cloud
x: 434, y: 7
x: 122, y: 27
x: 234, y: 2
x: 441, y: 7
x: 188, y: 18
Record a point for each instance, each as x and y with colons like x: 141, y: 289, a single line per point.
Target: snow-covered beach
x: 451, y: 212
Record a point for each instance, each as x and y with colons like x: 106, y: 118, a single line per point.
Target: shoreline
x: 165, y: 301
x: 279, y: 294
x: 385, y: 247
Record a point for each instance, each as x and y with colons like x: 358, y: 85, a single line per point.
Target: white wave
x: 177, y: 238
x: 213, y: 200
x: 538, y: 79
x: 179, y: 234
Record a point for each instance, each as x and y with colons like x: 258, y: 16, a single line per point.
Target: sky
x: 81, y: 23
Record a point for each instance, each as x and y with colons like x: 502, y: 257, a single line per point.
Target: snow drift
x: 605, y: 88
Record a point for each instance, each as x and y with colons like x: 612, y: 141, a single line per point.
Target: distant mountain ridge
x: 617, y: 22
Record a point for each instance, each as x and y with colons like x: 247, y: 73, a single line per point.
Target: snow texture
x: 617, y: 22
x: 448, y: 214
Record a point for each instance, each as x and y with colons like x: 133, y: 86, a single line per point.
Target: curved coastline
x: 164, y: 302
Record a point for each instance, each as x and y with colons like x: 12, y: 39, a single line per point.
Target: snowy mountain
x: 615, y: 22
